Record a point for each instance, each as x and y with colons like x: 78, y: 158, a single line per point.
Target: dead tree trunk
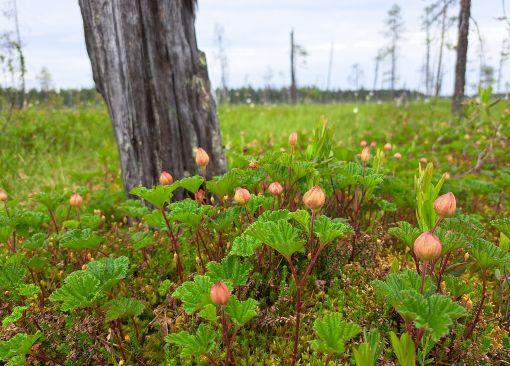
x: 439, y: 75
x: 147, y: 66
x: 293, y: 87
x: 460, y: 66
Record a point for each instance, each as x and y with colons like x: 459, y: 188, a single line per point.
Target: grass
x: 115, y: 282
x: 46, y: 147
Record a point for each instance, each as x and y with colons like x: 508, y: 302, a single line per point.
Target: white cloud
x: 257, y: 35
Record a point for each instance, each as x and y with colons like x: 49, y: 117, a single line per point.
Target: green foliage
x: 245, y: 245
x: 426, y: 193
x: 332, y: 333
x: 367, y: 353
x: 502, y: 225
x: 403, y: 348
x: 79, y: 239
x: 280, y: 235
x: 201, y: 343
x: 14, y: 350
x: 80, y: 289
x: 16, y: 314
x: 405, y: 232
x: 230, y: 270
x: 187, y: 211
x: 434, y: 313
x: 108, y: 271
x: 191, y: 184
x: 194, y: 294
x: 330, y: 229
x: 123, y: 307
x: 223, y: 185
x: 488, y: 255
x: 241, y: 312
x: 12, y: 275
x: 157, y: 196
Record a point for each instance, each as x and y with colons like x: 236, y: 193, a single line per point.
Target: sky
x: 256, y: 36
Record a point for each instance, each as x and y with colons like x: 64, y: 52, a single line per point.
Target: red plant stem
x: 310, y: 239
x: 476, y: 319
x: 54, y: 220
x: 438, y: 221
x: 173, y: 240
x: 311, y: 265
x: 423, y: 276
x: 299, y: 288
x: 297, y: 311
x: 201, y: 238
x: 442, y: 267
x: 211, y: 360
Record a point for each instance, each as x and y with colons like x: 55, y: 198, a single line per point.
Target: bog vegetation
x: 380, y: 236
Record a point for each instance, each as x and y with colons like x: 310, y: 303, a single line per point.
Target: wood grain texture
x: 147, y: 66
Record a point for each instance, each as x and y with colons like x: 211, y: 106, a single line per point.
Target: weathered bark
x: 460, y: 66
x: 147, y: 66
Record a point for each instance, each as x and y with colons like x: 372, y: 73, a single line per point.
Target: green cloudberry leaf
x: 488, y: 255
x: 231, y: 269
x: 194, y: 294
x: 245, y: 246
x: 15, y: 349
x: 109, y: 271
x: 201, y: 343
x: 332, y: 333
x: 79, y: 239
x: 241, y: 312
x: 405, y: 232
x: 330, y: 229
x: 80, y: 289
x: 123, y: 307
x: 16, y: 314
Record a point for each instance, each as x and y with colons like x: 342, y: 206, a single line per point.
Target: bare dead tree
x: 395, y: 27
x: 147, y: 66
x: 296, y: 52
x: 330, y: 65
x: 356, y: 76
x: 293, y: 87
x: 460, y: 65
x: 444, y: 28
x: 426, y: 25
x: 221, y: 55
x: 377, y: 61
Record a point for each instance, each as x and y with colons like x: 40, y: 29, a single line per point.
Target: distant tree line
x: 310, y: 94
x: 62, y: 97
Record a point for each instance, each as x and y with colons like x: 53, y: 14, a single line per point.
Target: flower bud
x: 76, y: 200
x: 166, y: 178
x: 314, y: 198
x: 397, y: 156
x: 427, y: 246
x: 387, y: 146
x: 242, y: 196
x: 3, y: 195
x: 275, y: 189
x: 201, y: 158
x: 220, y: 294
x: 445, y: 205
x: 363, y: 143
x: 365, y: 154
x: 293, y: 139
x: 423, y: 160
x: 373, y: 144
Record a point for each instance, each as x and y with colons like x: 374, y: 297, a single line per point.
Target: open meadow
x: 336, y: 245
